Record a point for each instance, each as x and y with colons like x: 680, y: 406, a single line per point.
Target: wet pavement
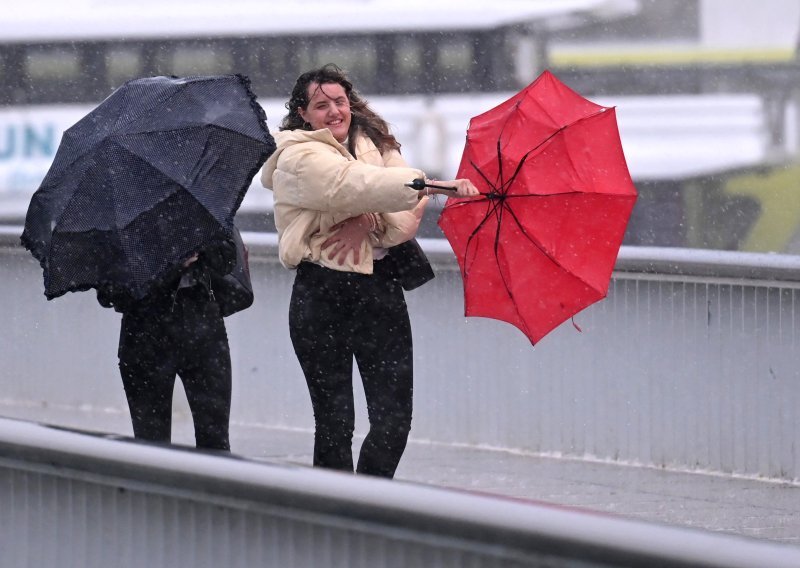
x: 742, y: 506
x: 748, y: 507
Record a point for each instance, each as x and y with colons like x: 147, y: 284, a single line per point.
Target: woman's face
x: 328, y: 107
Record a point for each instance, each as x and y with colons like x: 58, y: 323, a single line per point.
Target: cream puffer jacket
x: 317, y: 183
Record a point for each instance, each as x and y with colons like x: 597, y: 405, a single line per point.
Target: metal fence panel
x: 690, y: 362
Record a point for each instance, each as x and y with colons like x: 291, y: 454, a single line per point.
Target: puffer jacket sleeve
x: 401, y: 226
x: 325, y: 180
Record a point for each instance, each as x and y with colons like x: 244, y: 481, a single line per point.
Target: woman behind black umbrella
x: 344, y: 217
x: 178, y: 330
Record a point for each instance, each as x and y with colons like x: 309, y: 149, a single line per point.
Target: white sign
x: 29, y: 138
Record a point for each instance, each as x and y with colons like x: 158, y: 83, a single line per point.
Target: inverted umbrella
x: 540, y: 242
x: 153, y: 174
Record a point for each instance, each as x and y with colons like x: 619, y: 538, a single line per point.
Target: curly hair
x: 363, y: 117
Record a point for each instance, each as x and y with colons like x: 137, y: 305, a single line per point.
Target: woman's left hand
x: 464, y: 187
x: 348, y: 236
x: 460, y: 188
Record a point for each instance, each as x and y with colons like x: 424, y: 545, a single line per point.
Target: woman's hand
x: 463, y: 188
x: 192, y: 259
x: 348, y: 236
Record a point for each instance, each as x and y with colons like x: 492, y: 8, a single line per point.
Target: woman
x: 178, y: 329
x: 341, y: 209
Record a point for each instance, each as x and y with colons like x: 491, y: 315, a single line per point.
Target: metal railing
x: 75, y: 500
x: 689, y: 363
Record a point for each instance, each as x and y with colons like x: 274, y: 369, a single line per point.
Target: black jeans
x: 333, y: 317
x: 186, y: 338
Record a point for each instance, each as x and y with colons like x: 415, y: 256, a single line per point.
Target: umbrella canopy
x: 153, y: 174
x: 540, y: 242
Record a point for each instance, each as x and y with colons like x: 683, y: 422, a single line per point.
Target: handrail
x: 631, y: 259
x: 525, y: 529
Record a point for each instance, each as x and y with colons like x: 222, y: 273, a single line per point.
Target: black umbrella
x: 153, y: 174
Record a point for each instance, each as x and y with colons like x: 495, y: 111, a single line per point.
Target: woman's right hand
x: 347, y: 237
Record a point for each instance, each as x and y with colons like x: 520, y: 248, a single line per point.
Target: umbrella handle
x: 419, y: 184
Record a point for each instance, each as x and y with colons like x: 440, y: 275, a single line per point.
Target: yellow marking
x: 778, y: 194
x: 676, y: 56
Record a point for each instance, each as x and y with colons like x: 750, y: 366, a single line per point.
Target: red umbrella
x: 540, y: 242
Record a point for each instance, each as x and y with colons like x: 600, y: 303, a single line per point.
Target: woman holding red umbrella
x: 346, y: 219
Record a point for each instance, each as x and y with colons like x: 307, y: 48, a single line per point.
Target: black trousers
x: 185, y: 338
x: 333, y: 317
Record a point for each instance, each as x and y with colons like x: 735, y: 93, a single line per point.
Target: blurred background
x: 707, y: 91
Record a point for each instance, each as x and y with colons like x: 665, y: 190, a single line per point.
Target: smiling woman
x: 328, y: 108
x: 346, y: 219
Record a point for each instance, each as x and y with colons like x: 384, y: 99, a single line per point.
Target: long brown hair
x: 363, y: 117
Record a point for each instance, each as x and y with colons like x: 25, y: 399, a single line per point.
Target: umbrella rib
x: 486, y: 179
x: 536, y: 195
x: 504, y: 189
x: 538, y: 245
x: 492, y: 209
x: 500, y: 269
x: 539, y: 145
x: 528, y: 153
x: 499, y: 139
x: 499, y: 163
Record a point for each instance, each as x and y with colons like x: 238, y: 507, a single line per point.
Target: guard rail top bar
x: 645, y: 260
x: 526, y: 528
